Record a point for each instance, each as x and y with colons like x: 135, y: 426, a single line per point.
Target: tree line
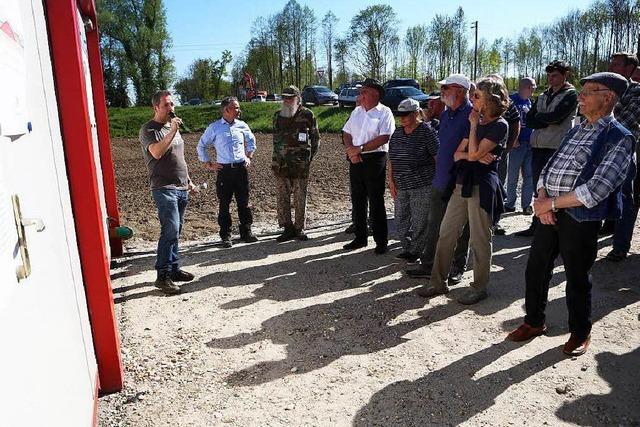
x: 290, y: 46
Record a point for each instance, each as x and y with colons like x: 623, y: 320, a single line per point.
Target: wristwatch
x: 553, y: 205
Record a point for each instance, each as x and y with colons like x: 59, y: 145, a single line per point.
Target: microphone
x: 184, y: 127
x: 200, y: 187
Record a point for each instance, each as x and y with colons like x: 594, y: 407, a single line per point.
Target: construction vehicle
x: 249, y: 87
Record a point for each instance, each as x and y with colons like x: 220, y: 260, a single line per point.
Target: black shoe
x: 525, y: 233
x: 301, y: 235
x: 498, y: 230
x: 509, y: 209
x: 181, y: 276
x: 616, y: 255
x: 455, y: 278
x: 226, y: 241
x: 419, y: 273
x: 407, y: 256
x: 288, y: 234
x: 381, y: 249
x: 166, y: 285
x: 527, y: 211
x: 350, y: 229
x: 248, y: 237
x: 354, y: 244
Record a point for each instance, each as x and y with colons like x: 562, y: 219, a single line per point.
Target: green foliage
x: 204, y: 79
x: 136, y: 36
x: 126, y: 122
x: 373, y: 32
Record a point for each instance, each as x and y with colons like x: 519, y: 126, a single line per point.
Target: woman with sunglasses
x: 476, y: 197
x: 410, y: 170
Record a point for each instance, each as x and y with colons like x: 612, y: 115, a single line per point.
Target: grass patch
x: 126, y: 122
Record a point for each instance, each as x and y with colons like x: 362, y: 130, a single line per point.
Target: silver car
x: 347, y: 97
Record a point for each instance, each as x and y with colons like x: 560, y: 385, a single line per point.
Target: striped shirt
x: 412, y: 157
x: 560, y: 174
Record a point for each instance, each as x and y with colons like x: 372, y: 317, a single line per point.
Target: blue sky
x: 204, y: 28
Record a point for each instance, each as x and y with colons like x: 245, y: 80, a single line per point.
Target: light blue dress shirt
x: 229, y: 140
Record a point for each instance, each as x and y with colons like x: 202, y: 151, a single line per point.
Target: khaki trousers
x: 286, y: 187
x: 459, y: 211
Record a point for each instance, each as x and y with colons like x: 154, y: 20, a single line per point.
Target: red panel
x: 81, y: 169
x: 88, y: 8
x: 104, y: 139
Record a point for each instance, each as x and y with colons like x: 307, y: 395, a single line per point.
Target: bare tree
x: 329, y: 23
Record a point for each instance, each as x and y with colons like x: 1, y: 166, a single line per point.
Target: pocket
x: 580, y: 157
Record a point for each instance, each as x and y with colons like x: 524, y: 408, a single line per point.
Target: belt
x: 232, y: 165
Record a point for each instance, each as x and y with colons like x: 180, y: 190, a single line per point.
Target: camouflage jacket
x: 295, y: 142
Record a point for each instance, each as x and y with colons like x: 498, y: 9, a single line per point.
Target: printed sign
x: 13, y: 86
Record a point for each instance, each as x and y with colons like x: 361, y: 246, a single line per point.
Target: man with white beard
x: 295, y: 142
x: 454, y: 127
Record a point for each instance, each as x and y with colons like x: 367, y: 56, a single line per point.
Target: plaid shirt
x: 559, y: 176
x: 627, y: 110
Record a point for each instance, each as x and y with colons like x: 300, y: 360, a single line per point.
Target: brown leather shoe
x: 526, y: 332
x: 428, y: 291
x: 575, y: 346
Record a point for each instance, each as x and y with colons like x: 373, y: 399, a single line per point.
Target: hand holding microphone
x: 182, y: 126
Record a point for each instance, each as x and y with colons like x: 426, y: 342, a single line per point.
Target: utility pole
x: 475, y: 50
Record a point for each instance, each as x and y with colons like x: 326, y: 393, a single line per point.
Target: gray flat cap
x: 613, y: 81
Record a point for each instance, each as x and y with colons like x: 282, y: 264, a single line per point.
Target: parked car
x: 355, y: 84
x: 347, y: 97
x: 274, y: 97
x: 394, y: 95
x: 318, y: 95
x: 259, y: 98
x: 195, y: 101
x: 401, y: 82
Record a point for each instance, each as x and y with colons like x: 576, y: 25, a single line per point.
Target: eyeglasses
x: 446, y: 87
x: 587, y: 92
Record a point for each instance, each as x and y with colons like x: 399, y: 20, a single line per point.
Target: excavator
x: 250, y: 87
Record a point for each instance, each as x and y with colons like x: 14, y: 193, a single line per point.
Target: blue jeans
x: 171, y: 205
x: 520, y: 160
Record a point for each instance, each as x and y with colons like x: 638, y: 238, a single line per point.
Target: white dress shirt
x: 363, y: 125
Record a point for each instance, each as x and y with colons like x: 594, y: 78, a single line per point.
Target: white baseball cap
x: 456, y: 79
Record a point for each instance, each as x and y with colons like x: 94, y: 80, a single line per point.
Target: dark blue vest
x: 610, y: 207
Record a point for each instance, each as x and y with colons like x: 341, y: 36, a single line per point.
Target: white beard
x: 288, y: 110
x: 448, y: 100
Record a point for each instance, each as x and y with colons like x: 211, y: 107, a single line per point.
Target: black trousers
x: 232, y: 182
x: 367, y: 180
x: 577, y: 243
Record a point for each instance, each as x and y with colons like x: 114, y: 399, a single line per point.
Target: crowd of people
x: 452, y: 170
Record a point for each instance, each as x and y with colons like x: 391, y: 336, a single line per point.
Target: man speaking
x: 163, y: 151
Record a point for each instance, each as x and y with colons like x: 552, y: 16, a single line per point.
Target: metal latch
x: 23, y: 271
